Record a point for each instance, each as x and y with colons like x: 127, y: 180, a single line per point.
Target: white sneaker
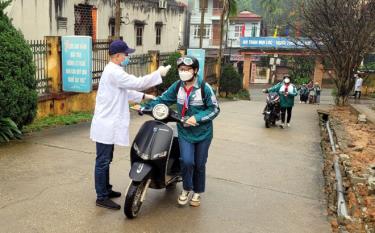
x: 195, y: 200
x: 288, y: 124
x: 183, y: 199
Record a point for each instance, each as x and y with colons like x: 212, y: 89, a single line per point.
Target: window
x: 139, y: 35
x: 237, y: 31
x: 111, y: 25
x: 203, y: 3
x: 254, y: 29
x: 83, y: 24
x: 158, y: 34
x: 206, y: 31
x: 217, y: 4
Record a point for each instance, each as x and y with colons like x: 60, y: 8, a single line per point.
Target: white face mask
x: 185, y: 75
x: 287, y: 80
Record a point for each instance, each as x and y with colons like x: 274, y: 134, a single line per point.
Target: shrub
x: 18, y: 96
x: 172, y: 75
x: 230, y: 81
x: 8, y: 130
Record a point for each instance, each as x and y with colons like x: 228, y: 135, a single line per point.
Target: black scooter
x: 154, y: 157
x: 272, y: 110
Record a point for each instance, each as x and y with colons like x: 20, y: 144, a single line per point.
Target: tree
x: 229, y: 9
x: 301, y: 69
x: 230, y: 80
x: 244, y: 5
x: 18, y: 96
x: 344, y: 31
x: 172, y: 75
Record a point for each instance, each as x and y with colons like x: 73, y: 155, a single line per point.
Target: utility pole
x: 117, y: 19
x: 202, y: 4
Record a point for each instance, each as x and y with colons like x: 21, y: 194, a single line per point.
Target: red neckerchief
x: 186, y: 102
x: 286, y: 87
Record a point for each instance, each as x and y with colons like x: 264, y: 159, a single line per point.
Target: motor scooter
x: 154, y: 157
x: 272, y: 110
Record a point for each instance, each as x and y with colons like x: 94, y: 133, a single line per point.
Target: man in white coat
x: 358, y: 86
x: 110, y: 124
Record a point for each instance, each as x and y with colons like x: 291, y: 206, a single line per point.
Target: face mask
x: 125, y: 62
x: 185, y: 75
x: 287, y: 80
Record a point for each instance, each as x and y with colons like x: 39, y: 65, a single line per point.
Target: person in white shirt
x: 358, y: 87
x: 110, y: 124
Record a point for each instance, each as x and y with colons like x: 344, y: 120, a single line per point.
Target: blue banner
x: 199, y: 54
x: 274, y: 43
x: 77, y: 63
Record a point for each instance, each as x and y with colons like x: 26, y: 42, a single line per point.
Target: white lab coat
x: 110, y: 124
x: 358, y: 84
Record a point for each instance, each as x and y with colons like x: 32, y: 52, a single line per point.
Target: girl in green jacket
x: 197, y: 106
x: 287, y: 92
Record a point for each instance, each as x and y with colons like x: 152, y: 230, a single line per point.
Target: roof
x: 247, y: 16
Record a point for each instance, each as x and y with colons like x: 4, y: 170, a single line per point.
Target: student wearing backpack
x: 198, y: 106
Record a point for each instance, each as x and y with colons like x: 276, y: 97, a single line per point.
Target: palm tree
x: 229, y: 9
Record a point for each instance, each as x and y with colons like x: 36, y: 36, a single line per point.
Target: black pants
x: 289, y: 111
x: 104, y: 156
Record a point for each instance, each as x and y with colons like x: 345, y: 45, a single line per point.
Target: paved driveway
x: 259, y: 180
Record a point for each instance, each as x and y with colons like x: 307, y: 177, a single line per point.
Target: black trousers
x: 289, y: 116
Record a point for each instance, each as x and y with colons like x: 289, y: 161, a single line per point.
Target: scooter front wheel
x: 133, y: 199
x: 267, y: 123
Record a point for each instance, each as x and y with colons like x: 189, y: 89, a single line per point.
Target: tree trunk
x: 220, y: 58
x: 202, y: 7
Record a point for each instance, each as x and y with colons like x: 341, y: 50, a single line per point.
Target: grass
x: 241, y: 95
x: 51, y: 121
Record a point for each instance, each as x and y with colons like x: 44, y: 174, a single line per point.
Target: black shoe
x: 108, y: 203
x: 114, y: 194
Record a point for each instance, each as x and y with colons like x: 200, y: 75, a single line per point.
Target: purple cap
x: 119, y: 46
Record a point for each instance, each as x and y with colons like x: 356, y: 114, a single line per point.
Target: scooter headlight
x: 160, y: 111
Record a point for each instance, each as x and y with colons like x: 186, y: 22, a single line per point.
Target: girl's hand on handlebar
x: 191, y: 121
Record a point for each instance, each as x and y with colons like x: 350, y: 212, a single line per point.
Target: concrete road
x: 259, y: 180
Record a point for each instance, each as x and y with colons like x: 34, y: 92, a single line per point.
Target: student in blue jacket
x: 198, y: 106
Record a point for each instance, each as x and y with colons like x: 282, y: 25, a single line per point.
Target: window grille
x: 158, y: 34
x: 139, y: 34
x: 83, y: 20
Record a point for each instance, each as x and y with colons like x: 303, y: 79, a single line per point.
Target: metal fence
x: 139, y: 65
x: 40, y: 49
x: 100, y: 58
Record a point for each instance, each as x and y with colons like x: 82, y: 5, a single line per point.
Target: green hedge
x: 18, y: 96
x: 172, y: 75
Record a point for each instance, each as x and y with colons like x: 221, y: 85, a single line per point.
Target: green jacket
x: 285, y: 101
x: 204, y: 109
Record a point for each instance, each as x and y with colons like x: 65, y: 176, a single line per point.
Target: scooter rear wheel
x: 133, y: 197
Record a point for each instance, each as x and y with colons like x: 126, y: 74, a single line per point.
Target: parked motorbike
x: 154, y: 157
x: 272, y: 110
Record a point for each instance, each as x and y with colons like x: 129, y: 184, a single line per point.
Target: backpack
x: 203, y: 85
